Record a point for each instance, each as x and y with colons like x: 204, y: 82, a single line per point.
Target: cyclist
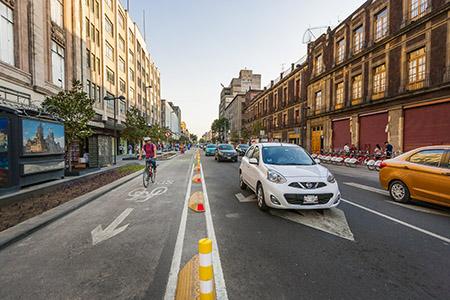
x: 149, y: 149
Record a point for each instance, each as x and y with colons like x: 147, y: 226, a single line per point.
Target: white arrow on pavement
x: 99, y: 235
x: 242, y: 198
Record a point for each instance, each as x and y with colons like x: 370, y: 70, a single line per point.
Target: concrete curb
x: 21, y: 230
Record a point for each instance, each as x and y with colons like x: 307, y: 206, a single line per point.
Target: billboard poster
x: 41, y: 137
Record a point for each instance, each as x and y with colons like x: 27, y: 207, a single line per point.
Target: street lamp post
x: 110, y: 98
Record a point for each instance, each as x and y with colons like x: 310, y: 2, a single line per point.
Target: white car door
x: 253, y: 170
x: 245, y: 165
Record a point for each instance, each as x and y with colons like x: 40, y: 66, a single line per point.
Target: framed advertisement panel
x: 41, y: 137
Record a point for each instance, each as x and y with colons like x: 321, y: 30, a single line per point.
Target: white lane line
x: 176, y: 260
x: 442, y: 238
x: 367, y: 188
x: 221, y: 290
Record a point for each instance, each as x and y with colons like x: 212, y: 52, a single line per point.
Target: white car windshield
x: 286, y: 156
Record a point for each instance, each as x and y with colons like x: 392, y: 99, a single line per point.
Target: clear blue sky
x: 198, y: 44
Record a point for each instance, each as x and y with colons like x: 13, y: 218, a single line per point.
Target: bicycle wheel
x: 146, y: 178
x: 153, y: 175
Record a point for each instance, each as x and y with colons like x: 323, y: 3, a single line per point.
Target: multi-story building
x: 48, y: 44
x: 246, y: 81
x: 234, y: 111
x: 381, y: 75
x: 277, y: 113
x: 171, y: 118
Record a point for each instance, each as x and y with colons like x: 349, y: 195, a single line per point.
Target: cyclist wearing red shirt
x: 149, y: 149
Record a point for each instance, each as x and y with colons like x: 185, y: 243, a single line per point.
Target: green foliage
x: 129, y: 169
x: 136, y: 126
x: 257, y: 127
x: 202, y: 141
x: 76, y: 110
x: 245, y: 135
x: 234, y: 137
x: 193, y: 137
x: 157, y: 133
x: 220, y: 126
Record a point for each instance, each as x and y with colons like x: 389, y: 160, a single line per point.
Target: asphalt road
x: 367, y: 248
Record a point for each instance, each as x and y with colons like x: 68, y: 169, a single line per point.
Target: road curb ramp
x: 22, y: 230
x: 197, y: 202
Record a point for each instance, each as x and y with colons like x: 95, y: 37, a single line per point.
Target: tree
x: 245, y: 135
x: 193, y: 137
x: 234, y: 137
x: 157, y: 133
x: 256, y: 129
x: 220, y: 126
x: 136, y: 126
x: 76, y: 110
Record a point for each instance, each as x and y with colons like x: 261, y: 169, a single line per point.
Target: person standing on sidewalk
x: 389, y: 149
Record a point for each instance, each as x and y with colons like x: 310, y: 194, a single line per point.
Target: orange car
x: 422, y: 174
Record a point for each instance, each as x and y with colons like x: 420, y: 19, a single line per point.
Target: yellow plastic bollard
x: 205, y: 269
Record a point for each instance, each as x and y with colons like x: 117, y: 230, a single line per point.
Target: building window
x: 297, y: 116
x: 356, y: 89
x: 340, y: 51
x: 130, y: 57
x: 93, y: 61
x: 88, y: 58
x: 97, y: 34
x: 109, y: 3
x: 275, y: 97
x: 379, y: 80
x: 99, y: 95
x: 92, y: 6
x: 7, y: 34
x: 109, y: 75
x: 131, y: 75
x: 297, y: 88
x: 98, y: 65
x: 109, y: 27
x: 318, y: 99
x: 93, y: 32
x: 122, y: 86
x: 57, y: 11
x: 122, y: 65
x: 88, y: 28
x: 131, y: 95
x: 339, y: 95
x: 87, y: 88
x: 381, y: 24
x: 358, y: 39
x: 318, y: 64
x: 131, y: 37
x: 121, y: 20
x: 57, y: 64
x: 109, y: 51
x: 97, y: 9
x: 416, y: 68
x: 417, y: 8
x: 285, y: 95
x: 121, y: 44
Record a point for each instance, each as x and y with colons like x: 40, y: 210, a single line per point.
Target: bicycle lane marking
x: 442, y: 238
x: 221, y: 290
x: 178, y: 251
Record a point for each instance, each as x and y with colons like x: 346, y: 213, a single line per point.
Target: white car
x: 285, y: 176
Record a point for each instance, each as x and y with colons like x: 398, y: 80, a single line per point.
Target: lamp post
x: 111, y: 98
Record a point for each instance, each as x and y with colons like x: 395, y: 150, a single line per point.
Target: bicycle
x: 149, y: 172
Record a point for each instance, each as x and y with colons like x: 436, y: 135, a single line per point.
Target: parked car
x: 422, y: 174
x: 242, y: 148
x: 210, y: 150
x: 285, y: 176
x: 226, y: 152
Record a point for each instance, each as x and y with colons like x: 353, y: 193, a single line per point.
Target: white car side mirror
x: 253, y: 161
x: 317, y: 161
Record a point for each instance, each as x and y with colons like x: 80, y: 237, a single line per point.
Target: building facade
x: 171, y: 118
x: 245, y: 82
x: 277, y: 113
x: 48, y: 44
x: 382, y: 75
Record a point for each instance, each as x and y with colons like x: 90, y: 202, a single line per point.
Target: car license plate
x: 310, y: 199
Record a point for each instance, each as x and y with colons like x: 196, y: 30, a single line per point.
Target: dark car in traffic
x: 226, y: 152
x: 241, y: 149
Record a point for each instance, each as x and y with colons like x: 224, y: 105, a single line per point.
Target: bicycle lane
x: 118, y: 246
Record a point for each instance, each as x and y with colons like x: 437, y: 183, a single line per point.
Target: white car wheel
x: 260, y: 198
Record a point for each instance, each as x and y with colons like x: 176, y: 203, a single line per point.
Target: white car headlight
x: 276, y: 177
x: 330, y: 178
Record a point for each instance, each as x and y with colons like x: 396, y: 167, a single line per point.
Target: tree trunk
x: 69, y: 156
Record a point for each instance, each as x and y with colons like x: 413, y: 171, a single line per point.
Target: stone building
x: 381, y: 75
x: 49, y: 43
x: 246, y: 81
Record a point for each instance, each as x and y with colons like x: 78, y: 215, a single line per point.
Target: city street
x: 131, y: 243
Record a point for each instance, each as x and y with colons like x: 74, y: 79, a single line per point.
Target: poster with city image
x: 4, y: 135
x: 42, y: 137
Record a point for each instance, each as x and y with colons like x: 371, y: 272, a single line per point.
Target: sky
x: 199, y: 44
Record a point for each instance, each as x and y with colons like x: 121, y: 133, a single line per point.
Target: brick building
x: 381, y: 75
